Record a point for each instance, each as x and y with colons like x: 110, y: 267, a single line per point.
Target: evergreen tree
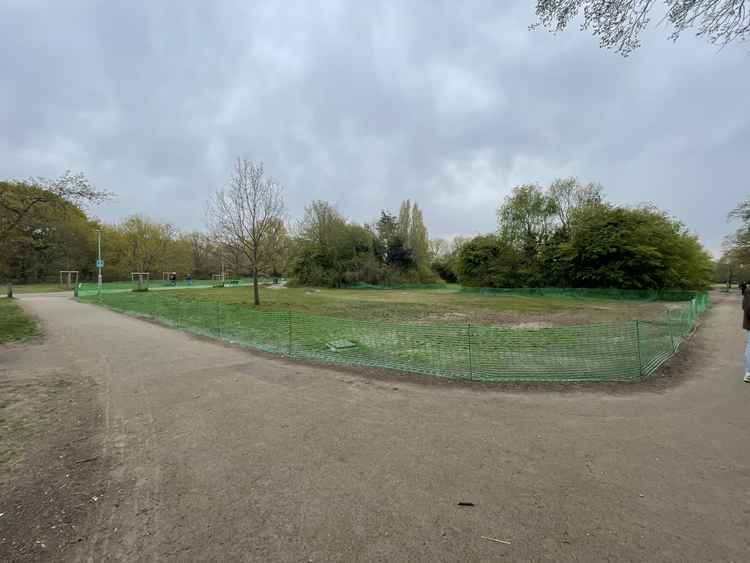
x: 404, y: 222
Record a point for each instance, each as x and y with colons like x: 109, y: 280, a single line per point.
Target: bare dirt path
x: 215, y: 453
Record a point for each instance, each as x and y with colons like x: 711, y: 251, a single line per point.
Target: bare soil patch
x: 50, y: 468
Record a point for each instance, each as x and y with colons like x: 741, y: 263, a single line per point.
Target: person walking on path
x: 746, y: 326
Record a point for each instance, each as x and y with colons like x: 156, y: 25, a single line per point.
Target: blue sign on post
x: 100, y: 263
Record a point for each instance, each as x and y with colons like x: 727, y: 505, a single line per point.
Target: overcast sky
x: 364, y: 104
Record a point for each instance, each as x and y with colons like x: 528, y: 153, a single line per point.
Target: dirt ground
x: 449, y: 307
x: 197, y: 451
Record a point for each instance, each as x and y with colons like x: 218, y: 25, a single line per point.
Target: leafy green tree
x: 732, y: 267
x: 640, y: 248
x: 526, y: 218
x: 418, y: 238
x: 526, y: 222
x: 331, y: 252
x: 18, y: 199
x: 489, y: 261
x: 144, y: 244
x: 403, y: 225
x: 50, y: 234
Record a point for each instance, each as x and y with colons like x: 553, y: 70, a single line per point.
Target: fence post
x: 669, y: 328
x: 289, y: 318
x: 218, y: 318
x: 638, y: 346
x: 468, y: 336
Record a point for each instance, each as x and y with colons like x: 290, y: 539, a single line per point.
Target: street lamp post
x: 99, y: 260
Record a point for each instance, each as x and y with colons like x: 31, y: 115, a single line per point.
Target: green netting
x: 398, y: 286
x: 625, y: 351
x: 581, y: 293
x: 587, y: 293
x: 85, y: 289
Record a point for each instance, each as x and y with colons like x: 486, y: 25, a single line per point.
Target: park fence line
x: 622, y: 351
x: 575, y: 292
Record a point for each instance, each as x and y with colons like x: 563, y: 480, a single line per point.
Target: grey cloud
x: 364, y: 105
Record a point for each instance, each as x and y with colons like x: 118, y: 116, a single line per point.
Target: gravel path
x: 215, y: 453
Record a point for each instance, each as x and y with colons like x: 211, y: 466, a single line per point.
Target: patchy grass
x: 427, y: 331
x: 438, y: 306
x: 15, y: 325
x: 22, y: 414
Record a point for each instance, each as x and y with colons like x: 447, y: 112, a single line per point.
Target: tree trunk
x: 256, y: 293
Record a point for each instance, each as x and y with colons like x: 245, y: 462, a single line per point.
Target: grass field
x: 446, y: 306
x: 443, y: 332
x: 15, y: 325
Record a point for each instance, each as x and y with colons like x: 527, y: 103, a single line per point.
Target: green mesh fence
x: 580, y: 293
x: 586, y: 293
x: 624, y: 351
x: 87, y: 288
x: 410, y: 286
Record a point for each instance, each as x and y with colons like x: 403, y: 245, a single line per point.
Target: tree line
x: 564, y: 235
x: 568, y: 235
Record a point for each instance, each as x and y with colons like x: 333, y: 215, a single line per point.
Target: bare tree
x: 619, y: 23
x: 568, y: 196
x: 246, y: 215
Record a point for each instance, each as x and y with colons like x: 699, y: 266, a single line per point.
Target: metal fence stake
x: 289, y: 317
x: 638, y: 346
x: 468, y: 336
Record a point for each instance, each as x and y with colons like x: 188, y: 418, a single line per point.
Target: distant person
x: 173, y: 278
x: 746, y: 326
x: 189, y: 279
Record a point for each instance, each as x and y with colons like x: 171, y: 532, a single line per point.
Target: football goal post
x: 217, y: 280
x: 140, y: 279
x: 166, y: 277
x: 69, y: 278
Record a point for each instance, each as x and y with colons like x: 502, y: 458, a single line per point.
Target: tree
x: 141, y: 245
x: 279, y: 249
x: 739, y: 242
x: 332, y: 252
x: 385, y: 230
x: 49, y: 236
x: 403, y: 224
x: 638, y: 248
x: 526, y: 217
x: 18, y: 199
x: 418, y: 241
x: 733, y: 266
x: 526, y: 220
x: 568, y: 195
x: 619, y: 23
x: 489, y: 261
x: 246, y: 215
x: 735, y: 260
x: 438, y: 247
x: 205, y: 255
